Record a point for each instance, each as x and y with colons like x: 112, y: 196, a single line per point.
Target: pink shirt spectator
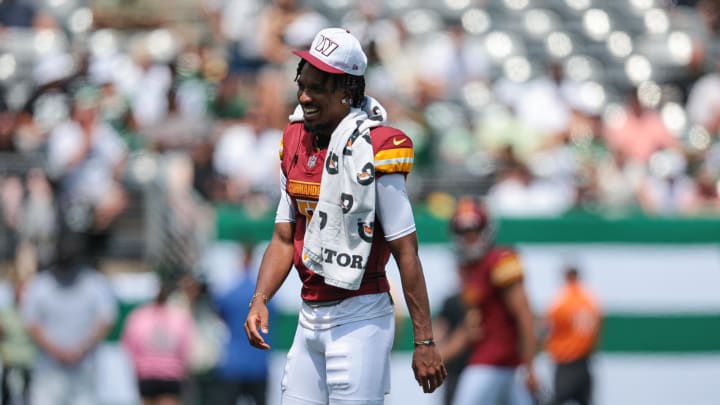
x: 639, y: 135
x: 158, y: 338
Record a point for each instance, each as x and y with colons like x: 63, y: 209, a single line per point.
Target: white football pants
x: 346, y: 364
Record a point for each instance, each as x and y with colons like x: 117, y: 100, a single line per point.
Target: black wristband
x: 426, y: 342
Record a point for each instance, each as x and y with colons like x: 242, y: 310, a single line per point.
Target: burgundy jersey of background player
x: 485, y: 281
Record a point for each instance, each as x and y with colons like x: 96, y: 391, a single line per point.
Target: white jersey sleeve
x: 285, y: 211
x: 393, y: 207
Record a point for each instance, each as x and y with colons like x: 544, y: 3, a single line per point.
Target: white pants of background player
x: 341, y: 353
x: 491, y: 385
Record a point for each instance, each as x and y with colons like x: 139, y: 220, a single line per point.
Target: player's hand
x: 66, y: 356
x: 257, y: 319
x: 531, y: 381
x: 428, y: 367
x: 473, y: 324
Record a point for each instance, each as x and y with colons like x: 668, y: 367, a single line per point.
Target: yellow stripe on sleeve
x: 398, y: 160
x: 280, y: 152
x: 507, y: 271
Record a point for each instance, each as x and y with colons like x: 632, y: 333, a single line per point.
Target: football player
x: 498, y: 328
x: 341, y: 350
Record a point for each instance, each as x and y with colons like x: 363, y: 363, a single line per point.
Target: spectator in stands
x: 205, y: 179
x: 39, y: 225
x: 703, y: 101
x: 299, y: 34
x: 272, y: 99
x: 186, y: 218
x: 17, y: 350
x: 706, y: 198
x: 547, y: 90
x: 146, y: 85
x: 667, y: 189
x: 272, y: 22
x: 176, y: 130
x: 12, y: 228
x: 519, y: 193
x: 158, y: 339
x: 85, y: 158
x: 457, y: 58
x: 710, y: 12
x: 574, y: 321
x: 206, y: 342
x: 639, y: 131
x: 243, y: 370
x: 498, y: 130
x: 8, y: 126
x: 246, y: 157
x: 54, y: 75
x: 17, y: 13
x: 231, y: 101
x: 11, y: 201
x: 616, y: 182
x: 68, y: 309
x: 239, y: 40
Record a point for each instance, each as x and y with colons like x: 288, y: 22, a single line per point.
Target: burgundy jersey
x: 483, y: 287
x: 302, y: 164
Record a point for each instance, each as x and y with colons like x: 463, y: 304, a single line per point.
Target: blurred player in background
x: 453, y: 349
x: 574, y: 320
x: 343, y: 211
x: 498, y: 324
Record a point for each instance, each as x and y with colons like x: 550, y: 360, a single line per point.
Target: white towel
x: 339, y: 236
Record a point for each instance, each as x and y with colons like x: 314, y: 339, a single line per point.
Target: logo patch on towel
x: 346, y: 202
x: 367, y: 175
x: 365, y: 231
x: 347, y: 150
x: 331, y: 163
x: 323, y: 219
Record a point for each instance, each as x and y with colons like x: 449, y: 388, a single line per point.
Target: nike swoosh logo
x: 397, y: 142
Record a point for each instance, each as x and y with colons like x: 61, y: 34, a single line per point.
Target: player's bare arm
x: 427, y: 364
x: 274, y: 268
x: 516, y: 300
x: 454, y: 343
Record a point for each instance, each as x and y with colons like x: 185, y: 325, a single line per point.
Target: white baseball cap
x: 335, y: 50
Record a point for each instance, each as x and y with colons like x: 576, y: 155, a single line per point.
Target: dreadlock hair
x: 355, y: 85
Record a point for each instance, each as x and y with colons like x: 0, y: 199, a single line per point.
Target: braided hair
x: 355, y: 85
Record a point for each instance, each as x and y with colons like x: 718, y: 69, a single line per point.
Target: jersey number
x: 306, y: 208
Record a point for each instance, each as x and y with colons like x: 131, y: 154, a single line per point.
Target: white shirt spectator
x: 92, y: 176
x: 703, y: 105
x: 520, y: 195
x: 247, y: 158
x: 543, y: 107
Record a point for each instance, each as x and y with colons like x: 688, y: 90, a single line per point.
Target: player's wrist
x: 424, y: 342
x: 258, y: 296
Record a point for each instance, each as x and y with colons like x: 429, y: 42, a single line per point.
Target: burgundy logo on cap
x: 326, y: 46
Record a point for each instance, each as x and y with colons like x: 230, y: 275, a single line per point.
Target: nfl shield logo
x: 311, y: 162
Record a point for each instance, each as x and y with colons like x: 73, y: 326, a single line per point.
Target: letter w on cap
x: 326, y: 46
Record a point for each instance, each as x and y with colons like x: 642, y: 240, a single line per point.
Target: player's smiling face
x: 320, y: 101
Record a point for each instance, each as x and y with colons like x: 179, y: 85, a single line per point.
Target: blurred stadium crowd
x: 139, y: 116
